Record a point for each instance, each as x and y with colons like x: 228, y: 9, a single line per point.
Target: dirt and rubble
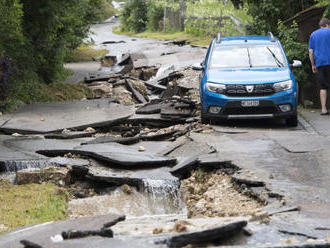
x: 212, y: 194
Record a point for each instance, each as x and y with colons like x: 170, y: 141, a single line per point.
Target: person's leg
x: 323, y: 97
x: 324, y: 85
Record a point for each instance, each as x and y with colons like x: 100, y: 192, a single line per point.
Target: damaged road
x: 142, y: 171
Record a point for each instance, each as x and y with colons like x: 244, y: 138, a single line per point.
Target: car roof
x: 239, y: 40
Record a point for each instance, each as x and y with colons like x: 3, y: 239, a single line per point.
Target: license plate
x: 254, y: 103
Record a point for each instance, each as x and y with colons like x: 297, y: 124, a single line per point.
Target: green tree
x: 267, y: 13
x: 134, y: 16
x: 52, y: 29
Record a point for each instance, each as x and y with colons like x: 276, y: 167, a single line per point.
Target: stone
x: 141, y: 149
x: 52, y: 174
x: 102, y: 90
x: 127, y: 189
x: 123, y: 95
x: 157, y: 230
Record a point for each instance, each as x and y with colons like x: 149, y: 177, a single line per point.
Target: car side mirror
x: 296, y: 63
x: 198, y: 66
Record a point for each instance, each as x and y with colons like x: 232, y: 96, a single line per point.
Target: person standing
x: 319, y: 54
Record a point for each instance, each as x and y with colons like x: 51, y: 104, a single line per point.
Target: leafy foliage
x: 295, y: 50
x: 134, y: 16
x: 155, y: 15
x: 38, y: 35
x: 266, y: 13
x: 7, y: 71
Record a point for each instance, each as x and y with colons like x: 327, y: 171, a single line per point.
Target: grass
x: 40, y: 92
x: 31, y: 204
x: 85, y: 53
x: 201, y: 41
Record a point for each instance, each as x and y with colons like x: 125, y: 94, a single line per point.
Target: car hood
x: 248, y: 76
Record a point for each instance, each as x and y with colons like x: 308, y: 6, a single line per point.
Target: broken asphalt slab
x: 223, y: 232
x: 135, y: 178
x: 115, y: 155
x: 54, y: 117
x: 17, y: 165
x: 45, y: 234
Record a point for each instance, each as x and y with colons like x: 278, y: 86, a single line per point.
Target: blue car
x: 248, y: 77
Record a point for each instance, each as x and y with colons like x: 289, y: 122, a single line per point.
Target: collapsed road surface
x: 142, y: 171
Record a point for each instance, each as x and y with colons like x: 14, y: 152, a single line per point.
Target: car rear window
x: 248, y: 56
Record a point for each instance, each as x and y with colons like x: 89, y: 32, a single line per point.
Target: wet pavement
x: 135, y: 166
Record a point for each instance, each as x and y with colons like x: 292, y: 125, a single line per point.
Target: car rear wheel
x: 292, y: 121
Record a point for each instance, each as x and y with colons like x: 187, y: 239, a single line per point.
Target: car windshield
x: 247, y: 56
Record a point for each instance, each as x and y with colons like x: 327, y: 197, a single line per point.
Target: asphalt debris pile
x: 164, y: 91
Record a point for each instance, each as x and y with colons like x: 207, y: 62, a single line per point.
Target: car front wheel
x: 292, y: 121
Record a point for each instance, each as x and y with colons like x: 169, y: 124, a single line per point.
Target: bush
x: 155, y: 15
x: 7, y: 71
x: 296, y: 50
x: 134, y: 16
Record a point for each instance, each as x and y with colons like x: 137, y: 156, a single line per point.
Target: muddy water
x: 157, y: 197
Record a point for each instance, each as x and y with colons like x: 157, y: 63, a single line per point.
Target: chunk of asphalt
x: 213, y: 162
x: 247, y: 182
x: 169, y: 112
x: 106, y: 233
x: 220, y: 233
x: 137, y: 95
x: 152, y: 108
x: 184, y: 167
x: 70, y: 135
x: 155, y: 85
x: 113, y: 42
x: 285, y: 210
x: 125, y: 59
x: 79, y: 171
x: 109, y: 139
x: 114, y: 222
x: 29, y: 244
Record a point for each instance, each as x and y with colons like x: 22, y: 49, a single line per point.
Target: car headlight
x: 281, y: 86
x: 217, y: 88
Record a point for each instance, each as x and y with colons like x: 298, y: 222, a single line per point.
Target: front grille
x: 249, y: 110
x: 241, y: 90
